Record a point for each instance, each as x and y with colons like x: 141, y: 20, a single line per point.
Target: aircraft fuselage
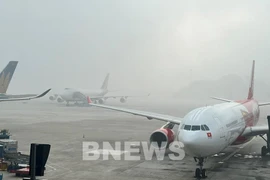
x: 74, y: 94
x: 224, y: 122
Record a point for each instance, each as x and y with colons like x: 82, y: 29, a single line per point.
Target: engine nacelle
x: 52, y: 98
x: 162, y: 138
x: 101, y: 101
x: 60, y: 100
x: 123, y: 100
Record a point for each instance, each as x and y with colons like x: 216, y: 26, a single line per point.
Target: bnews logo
x: 132, y: 151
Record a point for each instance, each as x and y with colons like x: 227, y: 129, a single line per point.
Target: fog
x: 152, y: 46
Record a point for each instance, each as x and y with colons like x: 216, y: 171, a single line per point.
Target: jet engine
x: 60, y: 100
x: 123, y: 100
x: 101, y: 101
x: 52, y: 98
x: 162, y: 138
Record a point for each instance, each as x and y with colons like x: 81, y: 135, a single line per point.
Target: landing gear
x: 266, y: 149
x: 200, y: 172
x: 197, y: 173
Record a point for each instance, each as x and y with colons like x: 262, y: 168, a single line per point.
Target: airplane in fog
x: 207, y: 131
x: 5, y: 78
x: 78, y: 95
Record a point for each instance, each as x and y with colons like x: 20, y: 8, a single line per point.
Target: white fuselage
x: 226, y: 123
x: 70, y: 94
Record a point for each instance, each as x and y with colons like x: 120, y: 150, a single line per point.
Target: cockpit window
x: 202, y: 127
x: 187, y: 127
x: 196, y: 128
x: 206, y: 127
x: 182, y: 127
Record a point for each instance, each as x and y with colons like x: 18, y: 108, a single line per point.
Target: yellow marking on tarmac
x: 237, y: 150
x: 220, y: 163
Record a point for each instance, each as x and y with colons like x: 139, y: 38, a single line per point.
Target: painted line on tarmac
x: 234, y: 152
x: 53, y: 168
x: 220, y: 163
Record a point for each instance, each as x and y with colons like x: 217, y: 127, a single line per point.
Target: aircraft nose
x: 196, y: 144
x: 191, y: 143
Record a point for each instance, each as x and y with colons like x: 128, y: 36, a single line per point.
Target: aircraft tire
x: 263, y: 151
x: 198, y: 173
x: 204, y: 173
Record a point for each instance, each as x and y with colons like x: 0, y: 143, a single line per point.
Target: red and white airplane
x: 206, y: 131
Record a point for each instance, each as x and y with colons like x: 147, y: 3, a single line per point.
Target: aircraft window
x: 206, y: 127
x: 196, y: 128
x: 187, y: 127
x: 202, y: 127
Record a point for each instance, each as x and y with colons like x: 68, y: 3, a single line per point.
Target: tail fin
x: 89, y: 100
x: 251, y: 87
x: 105, y: 83
x: 6, y: 76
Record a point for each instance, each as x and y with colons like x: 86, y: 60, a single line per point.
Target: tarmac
x: 66, y: 128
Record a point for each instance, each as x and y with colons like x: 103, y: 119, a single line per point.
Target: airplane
x: 78, y: 95
x: 206, y: 131
x: 5, y: 78
x: 26, y: 98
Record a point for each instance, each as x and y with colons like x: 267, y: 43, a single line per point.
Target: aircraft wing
x: 118, y: 96
x: 148, y: 115
x: 26, y: 98
x: 255, y: 130
x: 228, y: 100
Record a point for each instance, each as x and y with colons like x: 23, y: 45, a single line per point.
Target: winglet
x: 26, y: 98
x: 89, y: 100
x: 43, y: 94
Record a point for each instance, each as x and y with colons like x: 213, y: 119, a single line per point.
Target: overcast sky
x: 146, y: 45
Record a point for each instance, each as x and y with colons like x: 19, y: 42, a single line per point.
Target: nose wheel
x: 200, y: 172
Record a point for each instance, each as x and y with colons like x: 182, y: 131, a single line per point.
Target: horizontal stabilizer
x: 264, y: 103
x: 221, y: 99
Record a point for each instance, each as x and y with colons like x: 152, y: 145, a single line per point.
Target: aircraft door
x: 222, y: 133
x: 221, y: 129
